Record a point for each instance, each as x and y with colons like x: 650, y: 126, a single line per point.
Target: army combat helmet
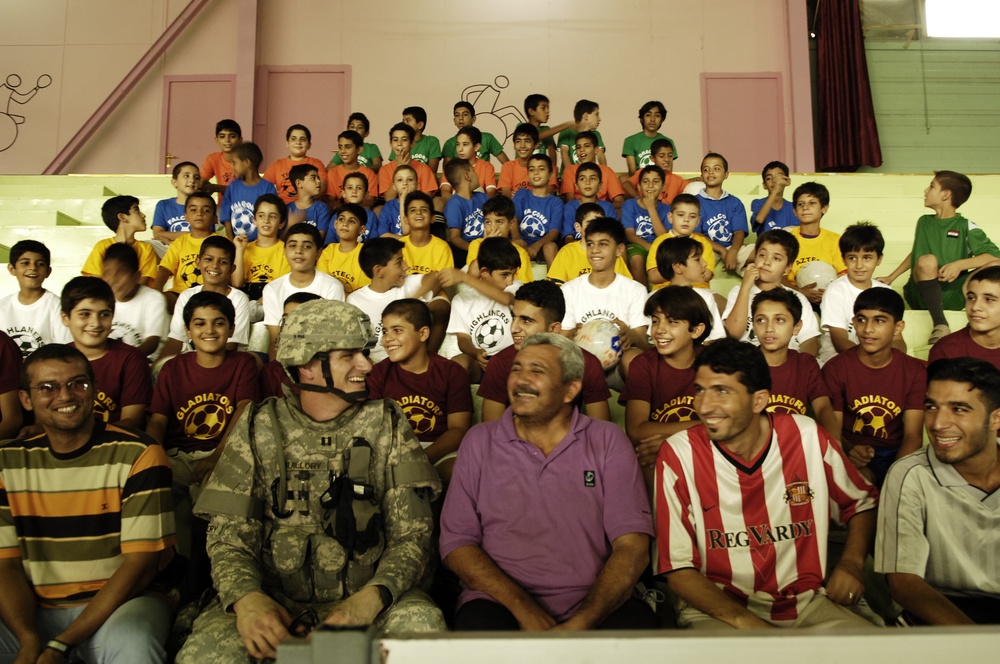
x: 314, y: 329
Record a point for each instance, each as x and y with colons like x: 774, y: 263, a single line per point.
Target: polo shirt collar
x: 725, y: 194
x: 507, y: 433
x: 947, y: 476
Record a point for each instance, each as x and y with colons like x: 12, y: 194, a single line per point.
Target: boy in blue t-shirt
x: 589, y: 179
x: 642, y: 219
x: 168, y: 218
x: 773, y: 211
x: 308, y: 206
x: 236, y: 212
x: 723, y: 217
x: 539, y: 213
x: 464, y: 210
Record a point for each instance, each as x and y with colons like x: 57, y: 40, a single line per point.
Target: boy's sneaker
x: 938, y: 333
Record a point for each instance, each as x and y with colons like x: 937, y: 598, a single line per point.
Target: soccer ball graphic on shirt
x: 602, y: 338
x: 871, y: 421
x: 533, y: 224
x: 206, y: 421
x: 243, y: 222
x: 421, y: 420
x: 26, y: 342
x: 189, y: 275
x: 489, y: 333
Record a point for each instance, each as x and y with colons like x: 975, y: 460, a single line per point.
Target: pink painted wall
x: 620, y: 54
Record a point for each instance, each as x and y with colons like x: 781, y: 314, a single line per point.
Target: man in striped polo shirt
x: 86, y: 523
x: 939, y: 522
x: 743, y: 505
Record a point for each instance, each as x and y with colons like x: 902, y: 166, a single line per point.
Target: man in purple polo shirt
x: 546, y: 520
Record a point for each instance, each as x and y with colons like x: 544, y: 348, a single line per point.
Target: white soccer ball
x: 243, y: 222
x: 816, y: 272
x: 602, y: 338
x: 533, y: 225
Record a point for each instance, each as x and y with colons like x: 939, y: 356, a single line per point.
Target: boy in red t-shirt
x: 877, y: 391
x: 467, y: 144
x: 663, y: 156
x: 298, y: 138
x: 797, y: 385
x: 349, y: 147
x: 401, y: 137
x: 219, y: 165
x: 586, y: 153
x: 514, y: 173
x: 433, y: 392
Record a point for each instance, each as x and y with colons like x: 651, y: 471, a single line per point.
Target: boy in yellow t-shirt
x: 423, y: 252
x: 122, y: 215
x: 499, y: 218
x: 811, y: 201
x: 684, y: 215
x: 340, y: 259
x: 262, y: 261
x: 180, y: 261
x: 571, y: 261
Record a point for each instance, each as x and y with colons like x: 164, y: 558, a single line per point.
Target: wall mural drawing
x: 491, y: 117
x: 9, y: 93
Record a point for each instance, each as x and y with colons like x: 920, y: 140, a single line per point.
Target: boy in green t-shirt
x: 587, y: 115
x: 465, y: 115
x: 946, y: 246
x: 637, y: 148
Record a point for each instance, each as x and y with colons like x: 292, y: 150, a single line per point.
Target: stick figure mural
x: 490, y: 116
x: 9, y: 93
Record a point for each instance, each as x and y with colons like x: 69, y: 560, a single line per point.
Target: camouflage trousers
x: 216, y: 639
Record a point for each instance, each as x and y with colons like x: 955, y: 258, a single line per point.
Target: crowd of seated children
x: 488, y: 145
x: 122, y: 215
x: 433, y: 392
x: 298, y: 138
x: 216, y: 261
x: 236, y: 210
x: 480, y: 313
x: 168, y: 217
x: 308, y: 205
x: 140, y: 318
x: 31, y: 316
x: 539, y: 306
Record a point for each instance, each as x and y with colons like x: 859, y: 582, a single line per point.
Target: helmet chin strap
x: 349, y: 397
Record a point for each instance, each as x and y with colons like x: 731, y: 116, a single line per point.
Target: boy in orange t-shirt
x: 586, y: 152
x: 298, y: 138
x: 219, y: 164
x: 349, y: 146
x: 514, y: 173
x: 467, y: 144
x: 401, y: 137
x: 662, y: 151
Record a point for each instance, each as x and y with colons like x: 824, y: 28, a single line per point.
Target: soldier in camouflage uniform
x: 320, y: 506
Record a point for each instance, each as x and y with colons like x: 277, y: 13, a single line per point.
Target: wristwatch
x: 61, y: 647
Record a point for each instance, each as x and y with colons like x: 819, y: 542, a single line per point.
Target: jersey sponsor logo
x: 798, y: 493
x: 204, y: 415
x: 261, y: 273
x: 872, y: 414
x: 757, y: 536
x: 489, y: 329
x: 473, y: 226
x: 718, y: 229
x: 187, y: 271
x: 644, y: 227
x: 644, y: 158
x: 533, y: 223
x: 589, y: 478
x: 421, y: 412
x: 679, y: 409
x: 785, y: 403
x: 178, y: 225
x: 28, y: 339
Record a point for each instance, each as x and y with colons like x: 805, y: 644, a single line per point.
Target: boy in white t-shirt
x: 31, y: 317
x: 606, y: 294
x: 774, y: 253
x: 140, y: 312
x: 381, y: 260
x: 480, y: 314
x: 216, y: 263
x: 303, y: 244
x: 861, y: 247
x: 681, y: 261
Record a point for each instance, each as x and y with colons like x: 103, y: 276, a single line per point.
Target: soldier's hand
x: 262, y: 624
x: 361, y: 608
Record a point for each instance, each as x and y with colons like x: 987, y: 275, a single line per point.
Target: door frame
x: 761, y: 75
x: 165, y: 110
x: 260, y: 91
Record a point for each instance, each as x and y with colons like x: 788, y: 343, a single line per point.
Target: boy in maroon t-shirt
x: 981, y: 337
x: 659, y: 390
x: 433, y: 392
x: 796, y: 382
x: 877, y: 391
x: 121, y: 375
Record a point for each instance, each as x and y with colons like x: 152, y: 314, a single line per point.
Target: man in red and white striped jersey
x: 743, y: 505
